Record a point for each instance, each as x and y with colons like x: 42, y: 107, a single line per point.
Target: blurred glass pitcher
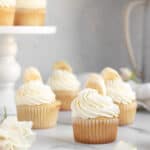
x: 143, y: 72
x: 142, y: 90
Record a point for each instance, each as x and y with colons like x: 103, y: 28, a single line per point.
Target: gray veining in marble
x: 61, y: 137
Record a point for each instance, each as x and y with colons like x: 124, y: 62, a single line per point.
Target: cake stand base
x: 9, y: 67
x: 7, y: 96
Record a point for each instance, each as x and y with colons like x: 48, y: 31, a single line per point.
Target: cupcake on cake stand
x: 9, y: 68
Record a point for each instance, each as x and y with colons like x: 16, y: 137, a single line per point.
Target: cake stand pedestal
x: 9, y: 68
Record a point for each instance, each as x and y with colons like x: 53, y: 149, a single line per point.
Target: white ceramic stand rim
x: 9, y: 68
x: 27, y: 30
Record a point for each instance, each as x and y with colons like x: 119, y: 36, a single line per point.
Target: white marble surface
x: 61, y: 137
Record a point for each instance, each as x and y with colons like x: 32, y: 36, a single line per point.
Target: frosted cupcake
x: 95, y: 118
x: 36, y: 102
x: 7, y: 12
x: 122, y: 95
x: 64, y: 84
x: 31, y: 12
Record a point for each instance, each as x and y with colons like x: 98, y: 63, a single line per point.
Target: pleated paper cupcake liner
x: 32, y: 17
x: 95, y: 131
x: 66, y: 98
x: 127, y: 113
x: 7, y: 15
x: 42, y: 116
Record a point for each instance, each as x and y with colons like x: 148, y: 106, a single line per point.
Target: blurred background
x: 89, y: 36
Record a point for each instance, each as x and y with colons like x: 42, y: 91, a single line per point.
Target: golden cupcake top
x: 90, y: 104
x: 62, y: 65
x: 30, y: 74
x: 95, y: 81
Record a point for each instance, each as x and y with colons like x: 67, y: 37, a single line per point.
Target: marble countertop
x: 61, y: 137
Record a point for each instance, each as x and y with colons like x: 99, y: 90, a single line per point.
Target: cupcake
x: 7, y: 12
x: 64, y: 84
x: 36, y: 102
x: 94, y: 117
x: 31, y: 12
x: 122, y: 95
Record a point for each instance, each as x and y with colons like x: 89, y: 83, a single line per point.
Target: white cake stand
x: 9, y: 68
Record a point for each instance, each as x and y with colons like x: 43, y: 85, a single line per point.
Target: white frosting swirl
x: 34, y: 93
x: 7, y: 3
x: 90, y: 104
x: 63, y: 80
x: 16, y: 135
x: 31, y: 4
x: 120, y: 91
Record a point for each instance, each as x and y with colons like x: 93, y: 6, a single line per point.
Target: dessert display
x: 64, y: 84
x: 95, y: 118
x: 32, y: 12
x: 106, y: 102
x: 7, y: 12
x: 36, y: 102
x: 16, y: 135
x: 122, y: 95
x: 97, y: 111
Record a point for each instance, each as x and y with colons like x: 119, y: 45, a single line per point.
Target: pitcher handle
x: 128, y: 10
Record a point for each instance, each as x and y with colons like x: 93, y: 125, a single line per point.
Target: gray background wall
x: 90, y: 36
